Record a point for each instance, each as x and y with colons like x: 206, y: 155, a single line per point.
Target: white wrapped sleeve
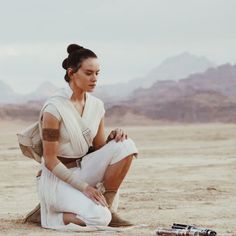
x: 65, y: 174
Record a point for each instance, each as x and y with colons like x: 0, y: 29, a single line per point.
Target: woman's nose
x: 94, y: 78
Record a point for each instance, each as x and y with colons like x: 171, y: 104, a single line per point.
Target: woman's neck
x: 78, y: 94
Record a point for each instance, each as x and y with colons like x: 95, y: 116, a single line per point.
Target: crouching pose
x: 78, y: 185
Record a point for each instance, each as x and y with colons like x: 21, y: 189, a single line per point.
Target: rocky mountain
x: 44, y: 91
x: 8, y: 96
x: 209, y: 96
x: 201, y: 97
x: 176, y: 68
x: 27, y: 112
x: 221, y: 79
x: 173, y: 68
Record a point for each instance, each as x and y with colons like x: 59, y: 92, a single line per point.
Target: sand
x: 184, y: 174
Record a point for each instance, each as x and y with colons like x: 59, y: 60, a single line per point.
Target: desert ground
x: 184, y: 174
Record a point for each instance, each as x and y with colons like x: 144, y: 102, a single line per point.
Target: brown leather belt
x: 75, y: 163
x: 70, y: 162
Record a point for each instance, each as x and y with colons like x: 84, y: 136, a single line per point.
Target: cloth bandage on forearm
x: 65, y: 174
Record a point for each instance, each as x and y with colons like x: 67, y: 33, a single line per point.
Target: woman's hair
x: 77, y: 54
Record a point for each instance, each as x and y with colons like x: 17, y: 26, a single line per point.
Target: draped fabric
x: 72, y: 143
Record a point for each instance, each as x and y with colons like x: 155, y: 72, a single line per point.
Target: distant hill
x: 201, y: 97
x: 44, y: 91
x: 8, y: 96
x: 209, y: 96
x: 27, y: 112
x: 176, y: 68
x: 221, y: 79
x: 173, y: 68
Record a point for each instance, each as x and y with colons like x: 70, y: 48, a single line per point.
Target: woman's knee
x: 129, y: 146
x: 101, y: 216
x: 126, y: 149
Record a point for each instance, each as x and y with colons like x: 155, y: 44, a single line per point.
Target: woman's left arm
x: 100, y: 139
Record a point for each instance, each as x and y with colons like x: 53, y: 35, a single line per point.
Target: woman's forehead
x: 90, y: 64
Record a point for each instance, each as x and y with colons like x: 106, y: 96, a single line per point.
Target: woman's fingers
x: 118, y: 135
x: 124, y: 136
x: 101, y: 199
x: 112, y: 134
x: 98, y: 198
x: 104, y: 200
x: 95, y: 200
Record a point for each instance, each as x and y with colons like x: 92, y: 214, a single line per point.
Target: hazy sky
x: 129, y: 36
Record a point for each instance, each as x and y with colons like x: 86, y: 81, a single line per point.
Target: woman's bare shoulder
x: 50, y: 121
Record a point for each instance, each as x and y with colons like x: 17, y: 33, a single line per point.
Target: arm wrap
x: 50, y: 135
x: 65, y: 174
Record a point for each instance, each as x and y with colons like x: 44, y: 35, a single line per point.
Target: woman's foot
x: 33, y: 216
x: 116, y: 220
x: 71, y: 218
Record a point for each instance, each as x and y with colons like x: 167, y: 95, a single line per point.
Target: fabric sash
x: 78, y: 133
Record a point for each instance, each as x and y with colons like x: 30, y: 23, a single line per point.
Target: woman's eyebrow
x: 88, y: 70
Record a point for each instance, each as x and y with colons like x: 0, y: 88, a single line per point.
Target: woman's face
x: 86, y: 76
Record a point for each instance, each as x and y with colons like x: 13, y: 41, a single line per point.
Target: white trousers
x: 57, y: 197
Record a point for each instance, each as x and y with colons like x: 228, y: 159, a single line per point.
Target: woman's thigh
x: 94, y: 165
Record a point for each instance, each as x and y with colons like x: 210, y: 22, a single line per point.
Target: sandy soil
x: 184, y: 174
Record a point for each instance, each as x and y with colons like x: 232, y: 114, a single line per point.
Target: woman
x: 78, y: 187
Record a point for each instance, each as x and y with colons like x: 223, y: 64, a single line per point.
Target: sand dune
x: 184, y: 174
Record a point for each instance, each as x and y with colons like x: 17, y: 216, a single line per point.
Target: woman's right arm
x: 50, y: 131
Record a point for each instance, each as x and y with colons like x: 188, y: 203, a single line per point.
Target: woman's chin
x: 90, y: 90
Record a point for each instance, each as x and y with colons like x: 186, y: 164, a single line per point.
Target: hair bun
x: 65, y: 64
x: 73, y: 47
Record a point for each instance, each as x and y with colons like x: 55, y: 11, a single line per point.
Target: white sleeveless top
x: 92, y: 114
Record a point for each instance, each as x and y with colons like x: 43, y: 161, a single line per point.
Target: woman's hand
x: 95, y: 195
x: 117, y: 134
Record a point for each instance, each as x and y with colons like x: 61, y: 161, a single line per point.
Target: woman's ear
x: 70, y: 72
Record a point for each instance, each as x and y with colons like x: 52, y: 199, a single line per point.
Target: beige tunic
x: 70, y: 131
x: 56, y: 196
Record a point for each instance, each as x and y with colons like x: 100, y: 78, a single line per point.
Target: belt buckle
x: 78, y: 162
